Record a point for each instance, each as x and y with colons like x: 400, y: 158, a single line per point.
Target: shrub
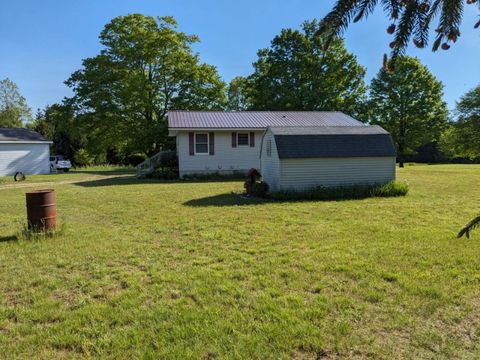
x: 164, y: 174
x: 168, y: 159
x: 83, y: 158
x: 391, y: 189
x: 260, y: 189
x: 166, y: 166
x: 235, y: 175
x: 134, y: 159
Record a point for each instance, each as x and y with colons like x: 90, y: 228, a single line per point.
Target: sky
x: 43, y: 41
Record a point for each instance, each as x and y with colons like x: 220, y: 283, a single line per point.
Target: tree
x: 57, y: 123
x: 411, y: 19
x: 14, y: 111
x: 295, y: 73
x: 463, y: 137
x: 238, y: 94
x: 147, y: 67
x: 408, y: 103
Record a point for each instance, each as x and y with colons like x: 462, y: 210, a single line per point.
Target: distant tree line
x: 121, y: 97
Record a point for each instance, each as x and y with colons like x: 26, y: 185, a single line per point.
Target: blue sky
x: 43, y: 41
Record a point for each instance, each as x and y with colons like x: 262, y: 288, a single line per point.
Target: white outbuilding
x: 301, y: 158
x: 23, y: 150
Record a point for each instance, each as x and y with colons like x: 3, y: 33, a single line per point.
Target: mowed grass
x: 185, y: 270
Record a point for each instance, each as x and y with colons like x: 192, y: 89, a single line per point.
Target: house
x: 299, y: 158
x: 227, y: 142
x: 23, y: 150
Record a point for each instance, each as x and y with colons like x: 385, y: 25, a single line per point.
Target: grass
x: 150, y: 269
x: 74, y: 174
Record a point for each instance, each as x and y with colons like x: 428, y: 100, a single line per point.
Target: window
x: 201, y: 144
x: 243, y: 139
x: 269, y: 148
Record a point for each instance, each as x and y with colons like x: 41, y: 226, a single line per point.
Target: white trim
x: 195, y: 143
x: 248, y: 138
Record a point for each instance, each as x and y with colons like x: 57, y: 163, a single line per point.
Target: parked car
x: 59, y: 163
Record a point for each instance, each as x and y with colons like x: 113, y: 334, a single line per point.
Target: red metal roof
x: 256, y: 119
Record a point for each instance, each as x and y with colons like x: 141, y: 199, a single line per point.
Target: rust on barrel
x: 41, y: 210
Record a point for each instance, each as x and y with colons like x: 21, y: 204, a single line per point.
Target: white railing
x: 148, y: 166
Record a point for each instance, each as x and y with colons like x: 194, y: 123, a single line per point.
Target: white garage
x: 301, y: 158
x: 23, y: 150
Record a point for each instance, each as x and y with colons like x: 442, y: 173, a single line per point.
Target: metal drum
x: 41, y: 210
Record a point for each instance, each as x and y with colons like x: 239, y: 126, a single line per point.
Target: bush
x: 168, y: 159
x: 166, y: 166
x: 164, y: 174
x: 83, y: 158
x: 134, y: 159
x: 260, y: 189
x: 391, y: 189
x: 235, y: 175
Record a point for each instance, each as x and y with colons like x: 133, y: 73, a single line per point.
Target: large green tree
x: 14, y: 111
x: 408, y: 103
x: 410, y: 20
x: 463, y: 136
x: 238, y: 94
x: 295, y: 73
x: 146, y: 67
x: 57, y: 123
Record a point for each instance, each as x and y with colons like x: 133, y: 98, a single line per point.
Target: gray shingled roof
x: 20, y: 135
x: 311, y: 142
x: 256, y: 119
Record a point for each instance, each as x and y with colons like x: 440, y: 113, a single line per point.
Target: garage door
x: 27, y: 158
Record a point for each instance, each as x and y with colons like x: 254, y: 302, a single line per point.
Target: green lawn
x: 145, y: 269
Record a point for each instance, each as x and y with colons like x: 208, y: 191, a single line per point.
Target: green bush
x: 164, y: 174
x: 83, y: 158
x: 235, y: 175
x: 391, y: 189
x: 260, y: 189
x: 166, y: 166
x: 168, y: 159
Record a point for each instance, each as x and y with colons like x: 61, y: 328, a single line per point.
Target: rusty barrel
x: 41, y: 210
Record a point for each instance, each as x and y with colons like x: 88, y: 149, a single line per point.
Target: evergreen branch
x: 469, y: 227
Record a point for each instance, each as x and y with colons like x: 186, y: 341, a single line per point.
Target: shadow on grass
x: 231, y: 199
x: 234, y: 199
x: 103, y: 172
x: 8, y: 238
x: 132, y: 180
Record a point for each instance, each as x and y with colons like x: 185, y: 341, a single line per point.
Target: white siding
x: 301, y: 174
x: 27, y: 158
x: 226, y: 158
x: 270, y: 165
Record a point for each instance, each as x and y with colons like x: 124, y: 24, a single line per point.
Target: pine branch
x: 337, y: 20
x: 365, y: 8
x: 405, y: 29
x: 449, y: 25
x: 469, y: 227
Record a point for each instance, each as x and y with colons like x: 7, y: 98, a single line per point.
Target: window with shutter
x: 201, y: 144
x: 243, y: 139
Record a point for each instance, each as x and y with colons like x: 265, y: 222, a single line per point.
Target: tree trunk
x: 401, y: 153
x: 401, y: 141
